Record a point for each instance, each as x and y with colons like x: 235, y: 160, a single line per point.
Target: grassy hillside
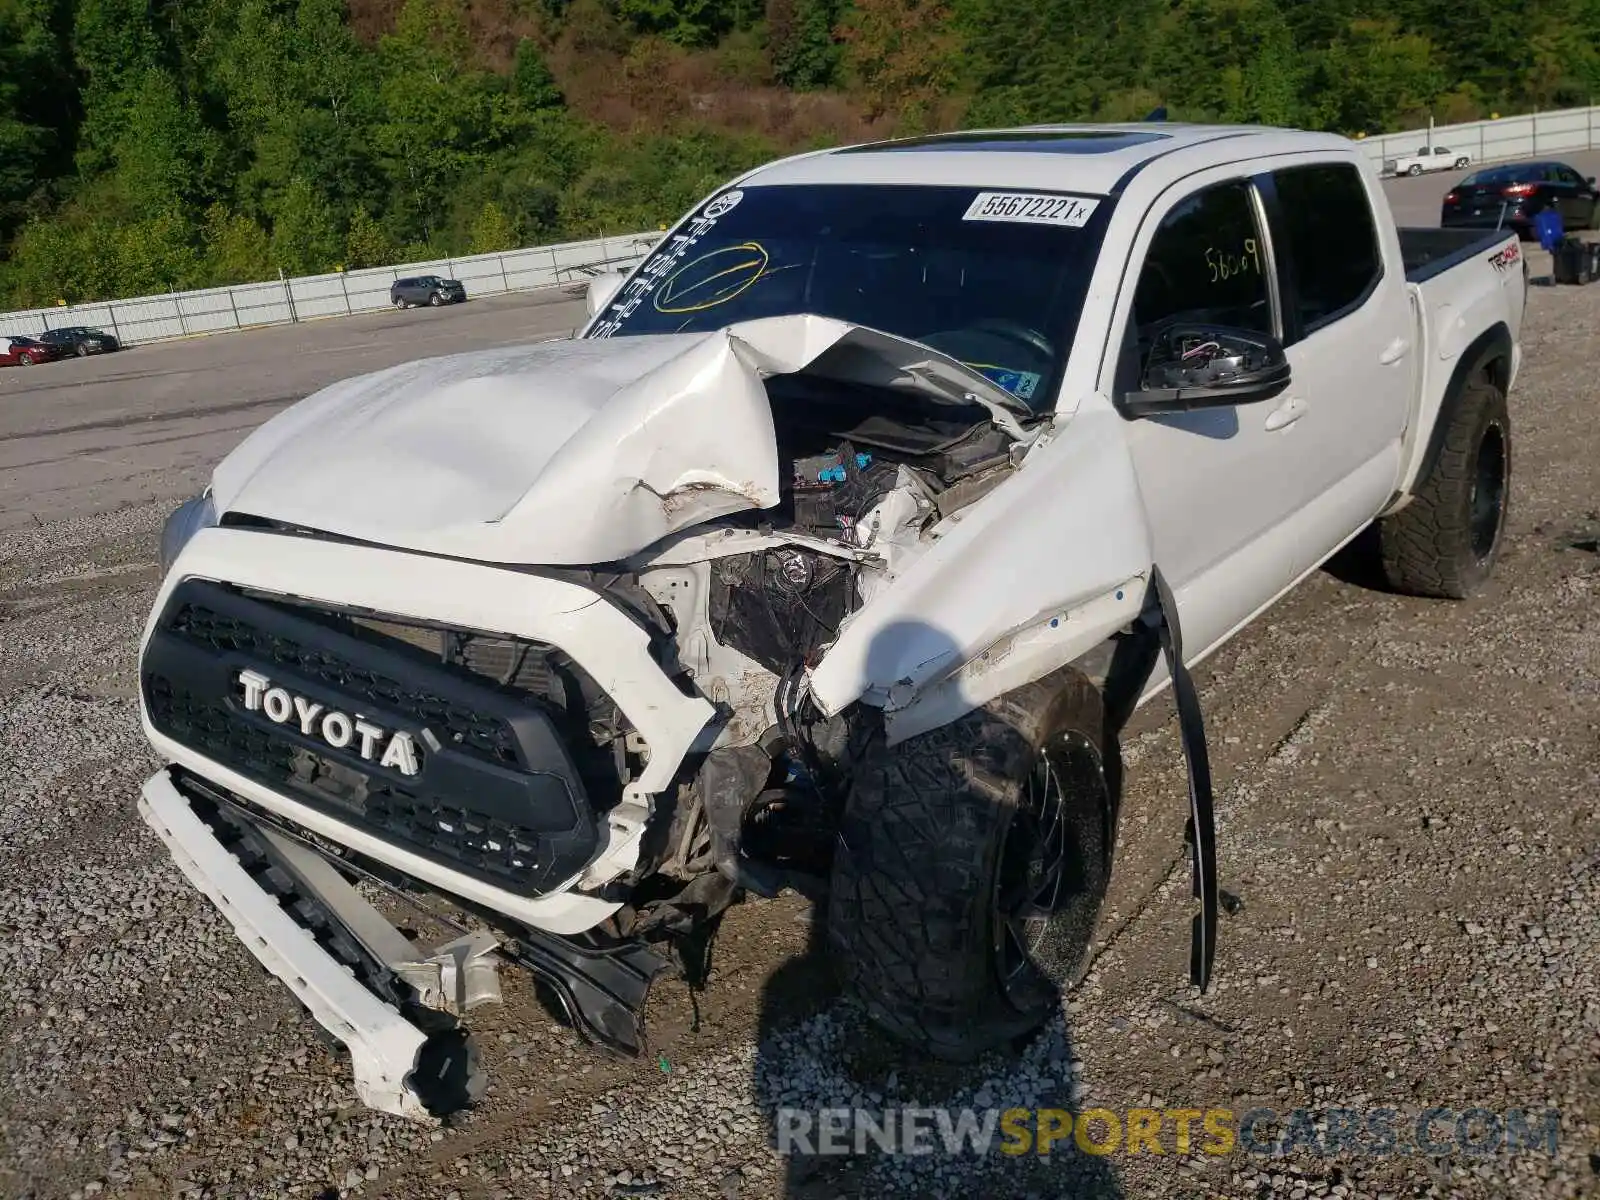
x: 155, y: 144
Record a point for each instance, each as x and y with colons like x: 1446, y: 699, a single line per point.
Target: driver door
x: 1219, y: 489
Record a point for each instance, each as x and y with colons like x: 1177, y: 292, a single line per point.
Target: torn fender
x: 1068, y: 529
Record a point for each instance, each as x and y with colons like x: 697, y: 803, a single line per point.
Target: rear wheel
x: 971, y: 866
x: 82, y: 350
x: 1415, y: 169
x: 401, y: 304
x: 25, y: 358
x: 1445, y: 542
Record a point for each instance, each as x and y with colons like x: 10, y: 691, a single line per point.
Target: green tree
x: 441, y: 116
x: 157, y: 254
x: 532, y: 84
x: 366, y: 244
x: 902, y: 55
x: 37, y: 102
x: 492, y: 231
x: 115, y: 46
x: 1374, y: 72
x: 163, y: 153
x: 304, y: 238
x: 686, y: 22
x: 236, y: 249
x: 1248, y: 70
x: 801, y: 43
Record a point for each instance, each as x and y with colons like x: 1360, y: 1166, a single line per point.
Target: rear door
x: 1577, y: 196
x: 1349, y: 332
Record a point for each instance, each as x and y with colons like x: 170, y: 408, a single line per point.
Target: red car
x: 19, y: 351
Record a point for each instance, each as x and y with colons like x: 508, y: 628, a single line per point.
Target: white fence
x: 214, y: 310
x: 1549, y: 133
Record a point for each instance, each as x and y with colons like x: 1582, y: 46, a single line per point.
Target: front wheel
x: 435, y: 300
x: 1460, y: 162
x: 971, y: 866
x: 1445, y: 542
x: 82, y: 351
x: 25, y: 359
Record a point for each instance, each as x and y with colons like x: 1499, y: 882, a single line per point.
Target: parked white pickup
x: 1427, y: 158
x: 831, y: 554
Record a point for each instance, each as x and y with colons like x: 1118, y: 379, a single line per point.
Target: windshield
x: 993, y: 279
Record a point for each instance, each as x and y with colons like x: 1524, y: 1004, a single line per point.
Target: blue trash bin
x: 1548, y: 225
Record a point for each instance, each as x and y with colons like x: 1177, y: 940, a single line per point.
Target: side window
x: 1325, y: 229
x: 1206, y: 263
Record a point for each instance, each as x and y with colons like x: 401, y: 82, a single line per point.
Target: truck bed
x: 1427, y: 252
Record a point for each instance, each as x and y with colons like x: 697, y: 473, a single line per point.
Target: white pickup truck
x: 1427, y: 158
x: 831, y: 554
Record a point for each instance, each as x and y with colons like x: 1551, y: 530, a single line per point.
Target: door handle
x: 1286, y: 414
x: 1395, y: 351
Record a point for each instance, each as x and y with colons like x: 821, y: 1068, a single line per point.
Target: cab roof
x: 1093, y: 159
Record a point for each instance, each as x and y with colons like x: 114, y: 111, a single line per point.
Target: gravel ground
x: 1408, y: 813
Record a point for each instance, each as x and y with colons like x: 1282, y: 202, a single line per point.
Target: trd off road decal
x: 664, y: 261
x: 1501, y: 260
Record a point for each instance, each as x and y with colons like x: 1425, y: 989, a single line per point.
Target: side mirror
x: 1208, y: 366
x: 601, y: 288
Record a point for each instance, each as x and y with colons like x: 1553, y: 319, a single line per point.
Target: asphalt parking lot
x: 92, y: 435
x: 1409, y: 814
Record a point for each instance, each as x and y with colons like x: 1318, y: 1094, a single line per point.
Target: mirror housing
x: 601, y: 288
x: 1194, y: 366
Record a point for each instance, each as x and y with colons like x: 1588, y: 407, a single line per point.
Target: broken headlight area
x: 189, y: 518
x: 779, y: 607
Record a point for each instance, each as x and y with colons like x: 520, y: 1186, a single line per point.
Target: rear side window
x: 1206, y: 263
x: 1325, y: 229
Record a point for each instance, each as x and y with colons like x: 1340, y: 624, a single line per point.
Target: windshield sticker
x: 712, y: 279
x: 1019, y: 383
x: 666, y: 257
x: 1031, y: 208
x: 723, y: 204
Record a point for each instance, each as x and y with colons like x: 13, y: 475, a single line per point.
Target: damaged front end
x: 599, y: 589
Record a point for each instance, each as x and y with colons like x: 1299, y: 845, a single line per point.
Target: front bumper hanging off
x: 393, y: 1005
x: 399, y: 1067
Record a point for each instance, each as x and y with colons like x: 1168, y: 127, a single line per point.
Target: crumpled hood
x: 565, y: 452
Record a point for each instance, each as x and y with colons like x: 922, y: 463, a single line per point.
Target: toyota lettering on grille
x: 340, y: 730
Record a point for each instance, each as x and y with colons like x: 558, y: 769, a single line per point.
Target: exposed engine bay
x: 868, y: 473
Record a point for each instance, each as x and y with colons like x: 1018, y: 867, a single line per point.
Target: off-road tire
x: 1434, y: 546
x: 912, y: 913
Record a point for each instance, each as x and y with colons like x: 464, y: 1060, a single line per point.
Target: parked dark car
x: 16, y: 350
x: 80, y: 340
x: 426, y: 289
x: 1517, y: 193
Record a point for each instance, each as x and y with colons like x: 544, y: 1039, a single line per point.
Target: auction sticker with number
x: 1031, y: 208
